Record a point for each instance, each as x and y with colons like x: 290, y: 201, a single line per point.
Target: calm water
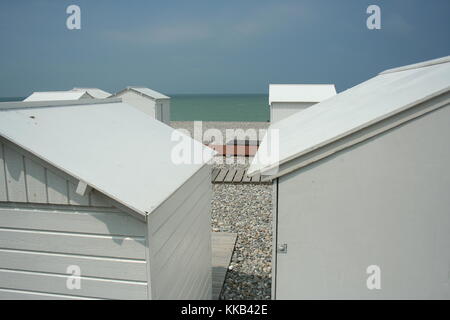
x: 213, y: 107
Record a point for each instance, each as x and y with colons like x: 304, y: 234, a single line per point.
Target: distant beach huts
x: 153, y: 103
x: 94, y: 92
x: 92, y: 205
x: 58, y: 96
x: 287, y: 99
x: 361, y: 190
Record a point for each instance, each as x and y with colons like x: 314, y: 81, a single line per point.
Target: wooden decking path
x: 222, y: 250
x: 232, y: 175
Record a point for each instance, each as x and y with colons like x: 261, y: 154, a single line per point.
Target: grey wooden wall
x: 382, y: 202
x: 38, y: 243
x: 180, y: 242
x: 45, y: 227
x: 24, y: 178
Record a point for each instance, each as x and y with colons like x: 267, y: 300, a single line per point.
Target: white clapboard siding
x: 13, y: 294
x: 75, y: 198
x: 191, y: 286
x: 36, y: 177
x: 57, y: 189
x: 110, y: 268
x: 92, y: 245
x: 90, y: 221
x: 179, y: 221
x: 165, y: 211
x: 188, y: 224
x: 90, y: 287
x: 25, y: 178
x: 15, y: 175
x: 39, y: 242
x: 3, y: 190
x: 180, y: 241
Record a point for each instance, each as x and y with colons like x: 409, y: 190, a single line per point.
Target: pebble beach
x: 245, y: 209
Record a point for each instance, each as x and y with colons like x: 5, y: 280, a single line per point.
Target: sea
x: 212, y: 107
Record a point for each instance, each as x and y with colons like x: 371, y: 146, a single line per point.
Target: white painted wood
x: 15, y: 175
x: 180, y: 242
x: 300, y: 92
x: 125, y: 174
x: 71, y: 220
x: 94, y: 92
x: 35, y: 171
x: 381, y: 202
x: 57, y: 188
x: 174, y: 247
x: 96, y: 199
x: 109, y: 268
x: 11, y: 294
x: 361, y: 106
x: 3, y: 190
x: 180, y: 219
x: 71, y: 243
x: 78, y: 198
x: 82, y: 188
x: 151, y: 102
x: 281, y: 110
x: 36, y: 188
x: 90, y: 287
x: 58, y: 95
x: 168, y: 208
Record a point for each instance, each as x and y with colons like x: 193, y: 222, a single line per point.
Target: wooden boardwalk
x: 232, y: 175
x: 222, y: 250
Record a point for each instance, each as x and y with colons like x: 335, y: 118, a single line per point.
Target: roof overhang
x: 356, y: 136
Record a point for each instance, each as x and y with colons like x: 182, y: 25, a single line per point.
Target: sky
x: 212, y: 46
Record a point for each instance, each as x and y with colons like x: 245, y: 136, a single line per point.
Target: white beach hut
x: 361, y: 183
x: 94, y: 92
x: 151, y: 102
x: 92, y: 205
x: 287, y: 99
x: 58, y: 95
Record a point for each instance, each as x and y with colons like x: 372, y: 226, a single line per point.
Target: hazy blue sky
x: 212, y: 46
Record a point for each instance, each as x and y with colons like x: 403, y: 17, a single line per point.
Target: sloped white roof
x: 352, y: 110
x: 57, y: 95
x: 94, y: 92
x: 146, y: 92
x: 300, y: 92
x: 105, y: 143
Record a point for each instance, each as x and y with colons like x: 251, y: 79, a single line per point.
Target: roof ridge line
x: 54, y: 103
x: 418, y: 65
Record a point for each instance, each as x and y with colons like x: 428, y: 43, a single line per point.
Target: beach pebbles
x: 246, y: 210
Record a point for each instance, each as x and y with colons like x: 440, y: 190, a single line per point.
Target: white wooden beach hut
x: 90, y: 189
x: 287, y: 99
x: 58, y: 95
x: 151, y: 102
x: 94, y: 92
x: 361, y: 190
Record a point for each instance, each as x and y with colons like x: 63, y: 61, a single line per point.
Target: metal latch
x: 282, y: 248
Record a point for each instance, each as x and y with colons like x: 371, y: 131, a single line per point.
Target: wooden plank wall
x: 180, y: 242
x: 39, y: 242
x: 23, y: 178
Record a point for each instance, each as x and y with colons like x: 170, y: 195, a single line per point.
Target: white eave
x: 149, y: 93
x: 105, y: 144
x: 300, y: 92
x: 373, y: 101
x: 58, y: 95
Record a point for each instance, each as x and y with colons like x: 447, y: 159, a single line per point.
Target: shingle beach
x: 245, y: 209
